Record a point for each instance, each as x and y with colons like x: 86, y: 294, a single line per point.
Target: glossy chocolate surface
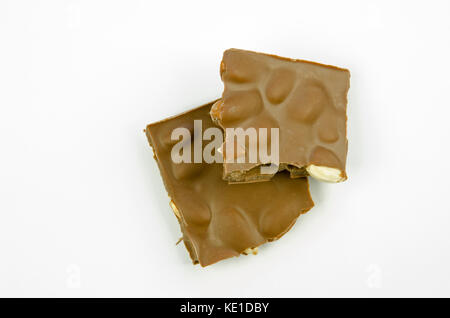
x: 307, y: 101
x: 219, y: 220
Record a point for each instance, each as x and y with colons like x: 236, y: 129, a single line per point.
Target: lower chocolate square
x: 220, y: 220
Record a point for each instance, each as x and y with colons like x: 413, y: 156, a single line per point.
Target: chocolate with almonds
x: 306, y: 101
x: 219, y: 220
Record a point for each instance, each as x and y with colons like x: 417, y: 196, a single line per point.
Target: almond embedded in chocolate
x: 306, y: 101
x: 219, y: 220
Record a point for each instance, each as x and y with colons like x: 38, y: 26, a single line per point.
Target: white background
x: 83, y: 210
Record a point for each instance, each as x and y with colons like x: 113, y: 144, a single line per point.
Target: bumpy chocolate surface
x: 219, y: 220
x: 307, y: 101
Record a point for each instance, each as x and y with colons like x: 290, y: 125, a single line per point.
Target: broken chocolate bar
x: 219, y: 220
x: 305, y: 101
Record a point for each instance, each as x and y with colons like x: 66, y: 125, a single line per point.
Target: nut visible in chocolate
x: 219, y: 220
x: 307, y: 101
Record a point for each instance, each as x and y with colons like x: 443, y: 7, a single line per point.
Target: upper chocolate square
x: 307, y: 101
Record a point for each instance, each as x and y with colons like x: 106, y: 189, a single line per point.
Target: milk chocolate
x: 307, y: 101
x: 219, y: 220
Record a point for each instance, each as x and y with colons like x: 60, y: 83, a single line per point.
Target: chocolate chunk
x: 219, y: 220
x: 306, y: 101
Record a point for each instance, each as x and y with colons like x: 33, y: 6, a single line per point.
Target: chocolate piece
x: 219, y: 220
x: 307, y: 101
